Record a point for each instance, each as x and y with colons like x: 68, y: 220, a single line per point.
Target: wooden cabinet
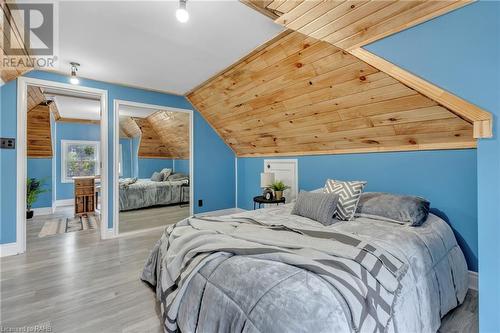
x: 84, y: 195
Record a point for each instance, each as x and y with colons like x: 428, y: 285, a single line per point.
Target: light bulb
x: 182, y: 15
x: 74, y: 80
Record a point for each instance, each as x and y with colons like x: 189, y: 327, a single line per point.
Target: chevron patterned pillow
x: 349, y: 193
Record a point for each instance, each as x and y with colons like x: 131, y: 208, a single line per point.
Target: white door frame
x: 116, y: 209
x: 22, y: 112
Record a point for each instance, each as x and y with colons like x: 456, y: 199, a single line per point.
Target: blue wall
x: 460, y: 52
x: 181, y: 166
x: 133, y: 166
x: 71, y: 131
x: 209, y: 172
x: 126, y: 158
x: 8, y: 164
x: 149, y: 165
x: 41, y: 169
x: 446, y: 178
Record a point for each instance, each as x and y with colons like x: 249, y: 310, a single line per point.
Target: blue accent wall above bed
x: 181, y: 166
x: 149, y: 165
x: 446, y: 178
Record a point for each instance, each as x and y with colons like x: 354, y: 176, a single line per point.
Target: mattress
x: 147, y: 193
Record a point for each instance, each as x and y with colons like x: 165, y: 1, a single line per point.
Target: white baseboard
x: 65, y: 202
x: 42, y: 211
x: 473, y: 280
x: 108, y: 234
x: 9, y: 249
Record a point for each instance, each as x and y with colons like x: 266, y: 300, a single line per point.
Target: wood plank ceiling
x: 299, y: 95
x: 39, y: 136
x: 162, y: 134
x: 353, y: 23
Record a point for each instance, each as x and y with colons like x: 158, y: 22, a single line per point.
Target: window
x: 79, y: 158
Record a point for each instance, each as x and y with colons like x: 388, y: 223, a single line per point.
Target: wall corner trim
x: 473, y: 280
x: 481, y: 119
x: 9, y: 249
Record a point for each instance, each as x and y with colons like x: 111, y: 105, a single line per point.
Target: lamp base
x: 267, y: 193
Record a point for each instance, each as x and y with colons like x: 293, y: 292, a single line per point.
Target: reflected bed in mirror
x: 154, y: 165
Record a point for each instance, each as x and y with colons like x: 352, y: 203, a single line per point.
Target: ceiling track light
x: 182, y: 13
x: 74, y: 68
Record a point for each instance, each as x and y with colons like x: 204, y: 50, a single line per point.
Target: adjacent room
x: 259, y: 166
x: 63, y: 163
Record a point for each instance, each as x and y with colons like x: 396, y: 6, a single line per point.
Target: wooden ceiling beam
x: 481, y: 119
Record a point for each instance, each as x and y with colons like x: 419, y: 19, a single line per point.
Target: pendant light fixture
x: 74, y: 68
x: 182, y: 13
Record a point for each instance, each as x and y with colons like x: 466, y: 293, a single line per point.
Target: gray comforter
x: 294, y: 275
x: 147, y: 193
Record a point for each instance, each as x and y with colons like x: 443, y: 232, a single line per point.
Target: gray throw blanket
x: 146, y: 193
x: 367, y: 277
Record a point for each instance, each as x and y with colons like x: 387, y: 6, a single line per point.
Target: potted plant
x: 33, y: 190
x: 278, y: 187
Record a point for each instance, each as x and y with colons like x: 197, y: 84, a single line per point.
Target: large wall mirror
x: 154, y: 167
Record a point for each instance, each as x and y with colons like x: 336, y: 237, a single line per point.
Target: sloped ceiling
x: 39, y: 142
x: 173, y: 129
x: 299, y: 95
x: 162, y: 134
x: 353, y: 23
x: 9, y: 26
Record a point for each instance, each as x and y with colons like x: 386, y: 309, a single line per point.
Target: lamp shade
x: 266, y: 179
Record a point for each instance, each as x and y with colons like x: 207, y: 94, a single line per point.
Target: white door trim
x: 21, y: 155
x: 116, y: 142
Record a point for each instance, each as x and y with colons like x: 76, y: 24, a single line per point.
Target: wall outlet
x: 8, y: 143
x: 200, y: 203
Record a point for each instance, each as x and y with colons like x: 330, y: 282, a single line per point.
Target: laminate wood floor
x: 76, y: 282
x: 152, y: 217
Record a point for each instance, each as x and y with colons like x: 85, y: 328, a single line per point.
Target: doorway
x: 284, y: 170
x: 40, y: 113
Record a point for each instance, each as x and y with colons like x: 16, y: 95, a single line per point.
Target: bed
x: 147, y: 193
x: 250, y: 272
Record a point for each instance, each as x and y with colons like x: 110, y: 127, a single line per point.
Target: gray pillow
x: 178, y: 176
x: 166, y: 172
x: 402, y: 209
x: 157, y: 177
x: 319, y: 207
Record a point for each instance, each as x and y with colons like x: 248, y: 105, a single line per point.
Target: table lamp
x: 266, y: 179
